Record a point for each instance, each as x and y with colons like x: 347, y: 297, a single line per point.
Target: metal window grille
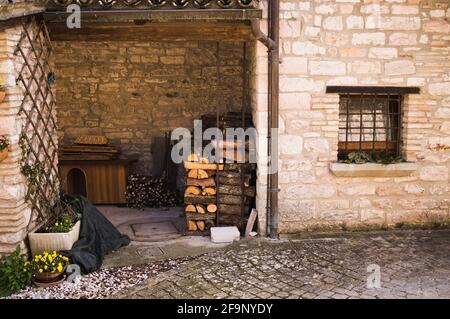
x: 370, y: 123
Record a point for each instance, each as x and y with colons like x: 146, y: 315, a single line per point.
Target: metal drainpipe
x: 272, y: 43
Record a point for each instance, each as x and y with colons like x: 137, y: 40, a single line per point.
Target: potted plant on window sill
x: 59, y: 233
x: 4, y: 148
x: 48, y: 268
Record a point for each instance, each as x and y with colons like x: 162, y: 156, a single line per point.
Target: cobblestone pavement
x: 413, y: 264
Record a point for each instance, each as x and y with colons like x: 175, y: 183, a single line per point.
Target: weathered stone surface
x: 327, y: 68
x: 442, y: 88
x: 319, y: 145
x: 434, y: 173
x: 400, y: 67
x: 378, y: 38
x: 290, y: 144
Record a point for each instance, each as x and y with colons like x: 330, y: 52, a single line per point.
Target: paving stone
x: 413, y: 264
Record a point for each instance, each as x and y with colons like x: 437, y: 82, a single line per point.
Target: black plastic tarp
x: 98, y: 236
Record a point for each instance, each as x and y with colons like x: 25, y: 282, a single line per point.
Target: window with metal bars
x: 370, y: 123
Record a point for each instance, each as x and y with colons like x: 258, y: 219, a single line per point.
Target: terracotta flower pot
x: 3, y: 154
x: 2, y: 95
x: 48, y: 277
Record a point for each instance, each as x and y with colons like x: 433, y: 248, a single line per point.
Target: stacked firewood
x: 236, y: 193
x: 200, y: 193
x: 147, y: 191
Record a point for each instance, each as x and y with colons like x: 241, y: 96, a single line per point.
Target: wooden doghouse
x: 102, y: 182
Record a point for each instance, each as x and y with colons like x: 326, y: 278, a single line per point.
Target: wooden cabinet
x: 102, y: 182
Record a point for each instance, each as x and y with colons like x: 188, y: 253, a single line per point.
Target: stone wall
x: 133, y: 92
x: 358, y: 43
x: 15, y: 212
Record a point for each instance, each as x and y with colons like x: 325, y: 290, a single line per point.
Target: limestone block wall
x: 358, y: 43
x: 134, y: 91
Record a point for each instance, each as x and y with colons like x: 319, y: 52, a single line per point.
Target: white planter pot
x: 40, y: 242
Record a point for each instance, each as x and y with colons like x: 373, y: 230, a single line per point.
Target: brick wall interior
x: 133, y: 92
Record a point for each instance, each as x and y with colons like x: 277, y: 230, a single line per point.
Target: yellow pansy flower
x: 41, y: 270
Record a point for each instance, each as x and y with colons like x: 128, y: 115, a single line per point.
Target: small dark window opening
x: 370, y: 123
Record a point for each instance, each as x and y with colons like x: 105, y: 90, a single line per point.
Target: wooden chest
x: 102, y: 182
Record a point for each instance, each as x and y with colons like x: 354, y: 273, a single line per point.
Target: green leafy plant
x: 4, y: 143
x: 385, y: 157
x: 382, y: 157
x: 15, y: 273
x: 358, y: 158
x: 63, y: 223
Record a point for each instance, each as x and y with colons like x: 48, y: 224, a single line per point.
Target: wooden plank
x: 251, y: 222
x: 153, y: 31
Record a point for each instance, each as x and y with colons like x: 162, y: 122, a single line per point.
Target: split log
x: 247, y: 167
x: 192, y: 158
x: 199, y: 199
x: 192, y: 190
x: 207, y: 182
x: 209, y: 191
x: 198, y: 174
x: 191, y: 225
x: 190, y: 209
x: 204, y: 160
x: 211, y: 208
x: 231, y: 220
x: 232, y: 209
x: 237, y: 190
x: 236, y: 181
x: 235, y: 156
x: 201, y: 225
x: 190, y: 165
x: 193, y: 174
x: 230, y: 199
x: 200, y: 209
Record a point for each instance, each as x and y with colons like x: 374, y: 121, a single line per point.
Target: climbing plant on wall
x: 38, y: 140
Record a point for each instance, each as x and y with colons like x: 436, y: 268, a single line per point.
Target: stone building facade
x: 324, y: 43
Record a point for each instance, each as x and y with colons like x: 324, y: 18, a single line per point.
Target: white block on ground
x: 225, y: 234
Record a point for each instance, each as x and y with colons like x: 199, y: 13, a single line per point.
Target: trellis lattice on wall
x: 37, y: 112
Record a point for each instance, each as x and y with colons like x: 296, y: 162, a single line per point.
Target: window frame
x: 392, y: 126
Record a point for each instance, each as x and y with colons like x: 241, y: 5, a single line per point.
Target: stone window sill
x: 372, y: 169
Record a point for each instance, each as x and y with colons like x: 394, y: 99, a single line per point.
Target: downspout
x: 272, y: 43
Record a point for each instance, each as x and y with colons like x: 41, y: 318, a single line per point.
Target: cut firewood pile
x: 236, y: 190
x: 147, y: 191
x: 93, y: 148
x: 236, y: 194
x: 200, y: 194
